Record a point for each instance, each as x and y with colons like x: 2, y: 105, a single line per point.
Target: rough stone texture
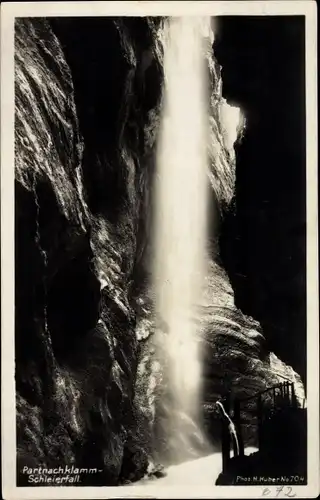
x: 90, y: 387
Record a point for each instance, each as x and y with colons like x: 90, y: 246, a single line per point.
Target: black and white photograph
x: 159, y: 226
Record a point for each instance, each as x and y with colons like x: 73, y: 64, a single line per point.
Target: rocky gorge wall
x: 90, y: 384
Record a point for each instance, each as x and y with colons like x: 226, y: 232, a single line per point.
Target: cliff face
x: 89, y: 379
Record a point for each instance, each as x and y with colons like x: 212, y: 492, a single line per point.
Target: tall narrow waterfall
x: 181, y: 215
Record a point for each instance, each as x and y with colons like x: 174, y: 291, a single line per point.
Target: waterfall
x: 181, y: 199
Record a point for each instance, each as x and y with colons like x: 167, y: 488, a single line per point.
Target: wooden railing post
x: 291, y: 394
x: 274, y: 396
x: 293, y: 397
x: 286, y: 393
x: 259, y: 417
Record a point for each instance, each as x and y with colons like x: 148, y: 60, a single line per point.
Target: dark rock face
x: 74, y: 378
x: 89, y: 380
x: 265, y: 251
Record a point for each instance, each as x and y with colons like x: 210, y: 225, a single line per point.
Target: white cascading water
x: 181, y: 192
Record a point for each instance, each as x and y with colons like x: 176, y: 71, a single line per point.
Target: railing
x: 261, y: 405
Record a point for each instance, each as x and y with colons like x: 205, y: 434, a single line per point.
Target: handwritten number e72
x: 285, y: 490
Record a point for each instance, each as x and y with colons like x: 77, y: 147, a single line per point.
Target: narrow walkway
x: 201, y: 471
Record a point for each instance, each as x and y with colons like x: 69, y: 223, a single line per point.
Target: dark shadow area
x: 281, y: 463
x: 263, y: 241
x: 98, y: 72
x: 280, y: 425
x: 73, y: 303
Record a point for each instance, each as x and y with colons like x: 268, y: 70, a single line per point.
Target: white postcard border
x: 134, y: 8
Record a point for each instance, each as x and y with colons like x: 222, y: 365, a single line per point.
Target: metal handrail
x: 287, y: 395
x: 260, y: 393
